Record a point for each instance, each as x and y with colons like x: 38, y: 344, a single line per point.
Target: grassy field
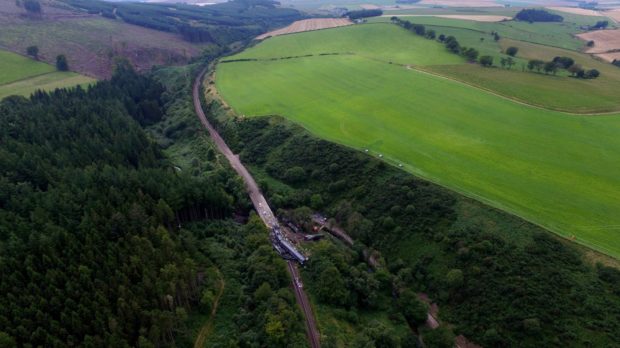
x: 534, y: 88
x: 365, y: 40
x: 22, y: 76
x: 556, y: 170
x: 15, y: 67
x: 551, y: 34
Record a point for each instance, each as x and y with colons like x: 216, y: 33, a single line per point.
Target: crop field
x: 557, y: 170
x: 22, y: 76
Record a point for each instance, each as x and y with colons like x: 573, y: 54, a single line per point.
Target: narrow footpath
x: 261, y: 206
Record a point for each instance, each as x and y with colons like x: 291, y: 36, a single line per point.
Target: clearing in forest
x: 20, y: 75
x: 557, y: 170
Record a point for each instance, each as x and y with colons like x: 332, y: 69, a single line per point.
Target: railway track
x: 261, y: 206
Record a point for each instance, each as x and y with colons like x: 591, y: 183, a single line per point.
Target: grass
x: 22, y: 76
x: 551, y: 34
x: 15, y: 67
x: 46, y: 82
x: 378, y: 41
x: 555, y: 170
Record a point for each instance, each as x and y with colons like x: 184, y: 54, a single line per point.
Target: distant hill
x: 94, y: 34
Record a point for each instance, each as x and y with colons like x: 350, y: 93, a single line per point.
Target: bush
x: 512, y: 51
x: 592, y: 74
x: 486, y: 61
x: 564, y: 62
x: 61, y: 63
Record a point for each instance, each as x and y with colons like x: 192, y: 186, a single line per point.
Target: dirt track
x: 207, y: 328
x: 307, y: 25
x: 261, y: 206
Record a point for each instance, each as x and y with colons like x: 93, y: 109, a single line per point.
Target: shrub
x: 486, y: 61
x: 512, y: 51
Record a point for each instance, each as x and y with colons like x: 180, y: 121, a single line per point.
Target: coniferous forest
x: 90, y: 248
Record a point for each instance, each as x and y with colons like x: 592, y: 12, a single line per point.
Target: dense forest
x: 498, y: 280
x: 221, y: 24
x: 537, y: 15
x: 98, y: 236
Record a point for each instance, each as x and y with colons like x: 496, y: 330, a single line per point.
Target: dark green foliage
x: 486, y: 61
x: 359, y: 14
x: 616, y: 63
x: 470, y: 53
x: 535, y: 64
x: 61, y: 63
x: 414, y: 310
x: 521, y: 287
x: 440, y: 337
x: 550, y: 67
x: 33, y: 51
x: 221, y: 24
x: 600, y: 25
x: 592, y: 74
x: 89, y: 210
x: 32, y: 6
x: 512, y: 51
x: 564, y: 62
x: 452, y: 44
x: 537, y: 15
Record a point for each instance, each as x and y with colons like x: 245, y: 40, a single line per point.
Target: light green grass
x: 556, y: 170
x: 14, y: 67
x: 551, y: 34
x: 379, y: 41
x: 45, y: 82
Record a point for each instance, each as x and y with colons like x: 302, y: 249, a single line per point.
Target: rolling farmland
x: 22, y: 76
x: 557, y: 170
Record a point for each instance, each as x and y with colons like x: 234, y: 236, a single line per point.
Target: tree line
x: 565, y: 63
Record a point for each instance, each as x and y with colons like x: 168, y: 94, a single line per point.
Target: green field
x: 22, y: 76
x: 14, y: 67
x: 559, y: 92
x: 364, y: 40
x: 557, y: 170
x: 551, y: 34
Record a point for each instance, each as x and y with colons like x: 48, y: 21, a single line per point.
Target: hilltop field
x: 501, y: 136
x: 22, y: 76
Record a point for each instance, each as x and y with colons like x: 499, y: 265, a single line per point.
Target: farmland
x: 22, y: 76
x: 556, y: 170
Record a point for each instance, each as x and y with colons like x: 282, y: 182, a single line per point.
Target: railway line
x: 265, y: 213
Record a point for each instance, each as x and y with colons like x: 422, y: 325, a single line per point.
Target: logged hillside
x: 91, y: 43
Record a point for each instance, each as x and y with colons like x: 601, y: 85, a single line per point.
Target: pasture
x: 559, y: 171
x: 22, y: 76
x: 15, y: 67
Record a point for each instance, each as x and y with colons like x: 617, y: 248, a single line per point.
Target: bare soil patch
x: 609, y: 57
x: 613, y: 14
x: 477, y: 18
x: 575, y: 10
x: 604, y: 40
x: 307, y: 25
x: 461, y: 3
